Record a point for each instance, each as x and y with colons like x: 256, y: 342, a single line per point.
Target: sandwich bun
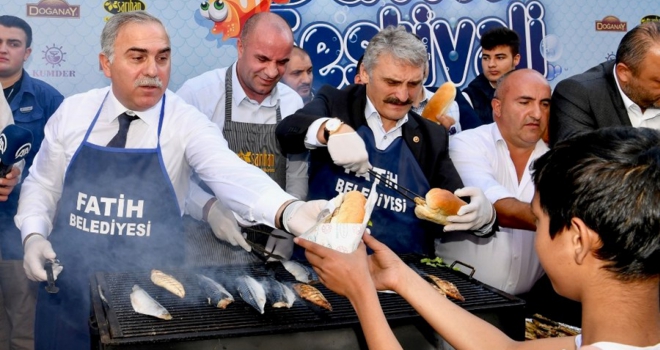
x: 440, y: 102
x: 351, y: 210
x: 438, y: 205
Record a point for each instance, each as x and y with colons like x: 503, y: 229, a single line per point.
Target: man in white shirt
x: 622, y: 92
x: 119, y: 206
x: 496, y: 158
x: 257, y: 101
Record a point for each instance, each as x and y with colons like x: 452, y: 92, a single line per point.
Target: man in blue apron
x: 371, y: 125
x: 246, y: 101
x: 106, y: 188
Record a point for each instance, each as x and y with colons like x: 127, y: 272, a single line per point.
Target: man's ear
x: 105, y: 65
x: 623, y: 73
x: 516, y: 60
x: 497, y: 107
x: 584, y: 240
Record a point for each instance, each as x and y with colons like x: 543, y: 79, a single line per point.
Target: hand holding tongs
x: 408, y: 194
x: 48, y: 266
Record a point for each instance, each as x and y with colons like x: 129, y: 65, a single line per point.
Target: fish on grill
x: 168, y: 282
x: 278, y: 294
x: 312, y: 295
x: 445, y: 287
x: 144, y: 304
x: 216, y: 294
x: 301, y: 272
x: 252, y: 292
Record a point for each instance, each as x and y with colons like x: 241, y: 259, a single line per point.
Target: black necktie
x: 119, y: 141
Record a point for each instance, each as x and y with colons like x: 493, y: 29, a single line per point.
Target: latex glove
x: 349, y: 151
x: 280, y: 246
x: 300, y: 216
x: 37, y: 250
x: 473, y: 216
x: 225, y: 227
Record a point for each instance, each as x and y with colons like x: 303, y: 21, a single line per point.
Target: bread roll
x: 440, y: 102
x: 438, y: 205
x: 351, y: 210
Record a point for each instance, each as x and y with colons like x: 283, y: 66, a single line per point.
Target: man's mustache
x: 151, y: 82
x: 396, y: 101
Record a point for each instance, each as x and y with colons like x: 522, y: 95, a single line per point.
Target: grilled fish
x: 168, y: 282
x: 216, y: 294
x: 312, y: 295
x: 301, y: 272
x: 144, y: 304
x: 252, y: 292
x: 445, y: 287
x: 278, y: 294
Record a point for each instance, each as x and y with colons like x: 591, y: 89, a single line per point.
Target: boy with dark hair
x: 598, y: 238
x: 500, y: 49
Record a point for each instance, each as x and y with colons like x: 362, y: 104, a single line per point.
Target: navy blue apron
x: 394, y: 221
x: 118, y: 212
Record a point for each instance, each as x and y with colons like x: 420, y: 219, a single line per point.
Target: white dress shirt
x: 506, y: 260
x: 188, y: 141
x: 649, y: 119
x: 207, y: 92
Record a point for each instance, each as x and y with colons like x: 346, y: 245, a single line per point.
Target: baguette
x: 351, y: 210
x: 438, y: 205
x: 440, y: 102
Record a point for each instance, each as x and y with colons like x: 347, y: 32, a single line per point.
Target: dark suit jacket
x: 586, y: 102
x: 348, y: 104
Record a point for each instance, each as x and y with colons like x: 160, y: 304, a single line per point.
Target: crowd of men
x: 190, y: 155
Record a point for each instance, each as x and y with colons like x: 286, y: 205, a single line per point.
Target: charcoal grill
x: 197, y: 325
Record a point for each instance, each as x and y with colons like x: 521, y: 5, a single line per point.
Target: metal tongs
x: 261, y: 249
x: 48, y: 266
x: 408, y: 194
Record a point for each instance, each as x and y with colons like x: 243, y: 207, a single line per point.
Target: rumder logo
x: 54, y: 55
x: 611, y: 24
x: 54, y: 9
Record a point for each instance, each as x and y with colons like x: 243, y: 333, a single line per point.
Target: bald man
x: 246, y: 100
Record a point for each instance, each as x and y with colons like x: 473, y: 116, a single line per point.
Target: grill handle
x: 473, y: 270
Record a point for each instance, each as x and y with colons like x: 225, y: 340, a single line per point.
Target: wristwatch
x: 331, y: 127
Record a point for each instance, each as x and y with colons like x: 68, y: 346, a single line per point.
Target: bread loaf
x: 439, y: 104
x: 351, y: 210
x: 438, y: 205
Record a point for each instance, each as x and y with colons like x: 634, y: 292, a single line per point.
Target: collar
x: 113, y: 108
x: 26, y: 86
x: 499, y: 139
x: 238, y: 94
x: 371, y: 112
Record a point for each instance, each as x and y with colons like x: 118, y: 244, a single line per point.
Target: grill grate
x: 193, y: 318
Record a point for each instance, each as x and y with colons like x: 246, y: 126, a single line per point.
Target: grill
x: 119, y: 327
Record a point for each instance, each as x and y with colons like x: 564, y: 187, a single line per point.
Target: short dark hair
x: 16, y: 22
x: 636, y: 43
x: 610, y: 179
x: 501, y: 36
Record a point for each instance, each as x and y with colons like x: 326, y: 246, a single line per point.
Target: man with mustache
x: 128, y: 151
x: 623, y: 92
x: 299, y: 74
x: 496, y: 158
x: 371, y: 126
x: 246, y: 100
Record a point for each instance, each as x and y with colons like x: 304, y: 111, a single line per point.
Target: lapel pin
x: 416, y: 139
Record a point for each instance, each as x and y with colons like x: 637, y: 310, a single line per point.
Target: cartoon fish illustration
x: 230, y: 15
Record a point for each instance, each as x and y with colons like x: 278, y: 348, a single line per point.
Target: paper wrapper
x: 341, y: 237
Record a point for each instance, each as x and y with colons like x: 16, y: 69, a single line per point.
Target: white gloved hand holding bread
x: 446, y: 208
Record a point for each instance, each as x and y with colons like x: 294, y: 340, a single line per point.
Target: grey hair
x: 401, y: 45
x: 115, y: 23
x: 636, y: 43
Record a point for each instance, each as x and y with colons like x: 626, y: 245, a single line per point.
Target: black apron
x: 256, y: 144
x: 118, y: 212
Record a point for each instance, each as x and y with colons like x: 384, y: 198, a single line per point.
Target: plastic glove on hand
x: 349, y: 151
x: 37, y: 250
x: 300, y: 216
x: 473, y: 216
x: 225, y: 227
x: 280, y: 246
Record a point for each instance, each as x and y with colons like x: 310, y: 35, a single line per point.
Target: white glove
x: 225, y: 227
x: 473, y: 216
x: 37, y: 250
x: 348, y: 150
x: 300, y: 216
x: 280, y: 246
